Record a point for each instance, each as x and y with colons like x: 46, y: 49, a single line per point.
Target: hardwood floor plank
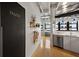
x: 53, y: 52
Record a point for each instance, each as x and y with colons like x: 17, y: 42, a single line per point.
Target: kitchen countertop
x: 67, y: 33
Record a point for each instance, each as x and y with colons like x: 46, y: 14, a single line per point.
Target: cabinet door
x: 75, y: 44
x: 55, y: 41
x: 66, y: 42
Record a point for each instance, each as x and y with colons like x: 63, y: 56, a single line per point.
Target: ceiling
x: 45, y: 6
x: 69, y: 6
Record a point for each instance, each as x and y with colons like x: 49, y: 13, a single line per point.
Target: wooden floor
x: 53, y: 52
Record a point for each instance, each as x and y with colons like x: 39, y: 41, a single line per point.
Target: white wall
x: 31, y: 9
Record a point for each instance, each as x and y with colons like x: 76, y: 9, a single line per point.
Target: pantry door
x: 13, y: 23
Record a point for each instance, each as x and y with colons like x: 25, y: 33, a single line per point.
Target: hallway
x: 58, y: 25
x: 53, y: 52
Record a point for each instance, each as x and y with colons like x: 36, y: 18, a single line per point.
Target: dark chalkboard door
x: 13, y: 23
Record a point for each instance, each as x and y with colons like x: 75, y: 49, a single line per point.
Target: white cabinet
x: 75, y: 44
x: 71, y: 43
x: 66, y: 42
